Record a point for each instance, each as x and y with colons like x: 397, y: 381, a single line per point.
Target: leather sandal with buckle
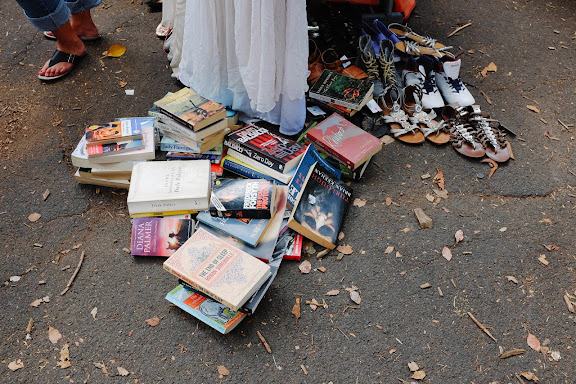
x: 400, y: 125
x: 492, y: 138
x: 433, y: 130
x: 463, y: 136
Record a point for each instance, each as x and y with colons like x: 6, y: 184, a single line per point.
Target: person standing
x: 69, y: 23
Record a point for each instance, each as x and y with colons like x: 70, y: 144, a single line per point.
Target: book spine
x: 264, y: 159
x: 214, y: 159
x: 192, y: 145
x: 163, y: 213
x: 295, y: 252
x: 339, y: 102
x: 241, y: 214
x: 180, y: 131
x: 242, y: 170
x: 335, y: 155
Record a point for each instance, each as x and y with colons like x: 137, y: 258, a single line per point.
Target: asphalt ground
x: 524, y: 210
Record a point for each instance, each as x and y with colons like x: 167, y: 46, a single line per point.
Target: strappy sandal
x: 492, y: 138
x: 433, y: 130
x: 404, y: 32
x: 462, y: 135
x: 62, y: 57
x: 394, y: 115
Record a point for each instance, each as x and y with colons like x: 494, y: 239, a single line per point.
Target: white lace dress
x: 250, y: 55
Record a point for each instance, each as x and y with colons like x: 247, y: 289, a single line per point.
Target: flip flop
x: 432, y: 130
x: 50, y: 36
x: 62, y: 57
x: 393, y: 114
x: 462, y: 135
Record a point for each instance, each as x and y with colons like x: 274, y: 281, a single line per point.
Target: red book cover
x: 343, y: 140
x: 271, y: 150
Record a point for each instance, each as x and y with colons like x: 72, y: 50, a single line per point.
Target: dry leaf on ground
x: 64, y: 357
x: 419, y: 375
x: 54, y: 335
x: 413, y: 366
x: 529, y: 376
x: 355, y: 297
x: 439, y: 178
x: 345, y: 249
x: 533, y: 108
x: 388, y: 201
x: 296, y: 309
x: 490, y: 68
x: 15, y: 365
x: 93, y: 312
x: 542, y: 259
x: 389, y: 249
x: 333, y: 292
x: 512, y: 279
x: 122, y: 371
x: 533, y: 342
x: 447, y: 253
x: 305, y: 267
x: 358, y: 202
x: 153, y: 321
x: 34, y: 216
x: 459, y: 236
x: 222, y: 371
x: 512, y: 352
x: 115, y: 50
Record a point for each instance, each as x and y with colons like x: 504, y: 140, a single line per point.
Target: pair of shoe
x: 439, y: 79
x: 379, y: 66
x: 409, y: 121
x: 475, y: 134
x: 330, y: 60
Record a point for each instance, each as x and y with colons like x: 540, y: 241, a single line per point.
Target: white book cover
x: 180, y: 185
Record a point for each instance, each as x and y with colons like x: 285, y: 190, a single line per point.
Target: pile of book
x: 107, y: 152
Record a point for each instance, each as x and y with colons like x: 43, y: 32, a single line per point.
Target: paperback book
x: 165, y: 123
x: 210, y: 312
x: 320, y: 207
x: 105, y: 173
x: 154, y: 236
x: 113, y: 132
x: 168, y: 144
x: 101, y: 181
x: 202, y: 146
x: 170, y: 187
x: 242, y: 198
x: 342, y: 90
x: 190, y: 109
x: 265, y: 148
x: 344, y: 141
x: 252, y: 169
x: 217, y: 269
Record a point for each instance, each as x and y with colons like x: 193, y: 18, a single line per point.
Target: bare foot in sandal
x: 69, y: 43
x: 82, y: 25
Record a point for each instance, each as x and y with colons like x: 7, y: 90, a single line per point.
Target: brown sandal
x: 394, y: 115
x: 315, y: 65
x: 462, y: 135
x: 493, y: 139
x: 433, y: 130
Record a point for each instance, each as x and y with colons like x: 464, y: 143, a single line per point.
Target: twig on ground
x: 481, y: 326
x: 459, y: 29
x: 73, y: 275
x: 266, y: 345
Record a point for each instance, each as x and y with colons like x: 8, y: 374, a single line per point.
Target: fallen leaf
x: 542, y: 259
x: 15, y: 279
x: 122, y: 371
x: 441, y: 193
x: 15, y: 365
x: 529, y: 376
x: 115, y: 50
x: 34, y: 216
x: 321, y: 269
x: 555, y: 355
x: 387, y: 139
x: 413, y: 366
x: 153, y: 321
x: 341, y: 235
x: 398, y: 254
x: 305, y: 267
x: 102, y: 367
x: 222, y: 371
x: 54, y: 335
x: 296, y: 309
x: 439, y: 178
x: 388, y: 201
x: 322, y: 253
x: 512, y: 279
x: 358, y: 202
x: 533, y: 342
x: 45, y: 194
x: 419, y: 375
x: 333, y: 292
x: 93, y: 312
x: 389, y: 249
x: 355, y: 297
x: 126, y: 250
x: 425, y: 285
x: 425, y: 176
x: 406, y: 230
x: 393, y: 350
x: 490, y: 68
x: 122, y: 84
x: 503, y: 229
x: 533, y: 108
x: 569, y: 303
x: 459, y: 236
x: 345, y: 249
x: 512, y: 352
x: 313, y: 304
x: 64, y: 357
x: 493, y: 166
x: 447, y: 253
x: 546, y: 221
x: 551, y: 247
x: 430, y: 198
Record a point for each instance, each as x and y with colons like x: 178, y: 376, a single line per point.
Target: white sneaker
x: 425, y: 78
x: 450, y: 84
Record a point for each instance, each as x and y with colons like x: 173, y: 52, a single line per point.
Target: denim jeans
x: 49, y: 15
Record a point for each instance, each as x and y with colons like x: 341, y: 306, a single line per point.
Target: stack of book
x: 108, y: 152
x: 255, y: 152
x: 195, y: 123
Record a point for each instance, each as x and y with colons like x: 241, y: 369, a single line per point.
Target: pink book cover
x: 153, y: 236
x: 344, y: 140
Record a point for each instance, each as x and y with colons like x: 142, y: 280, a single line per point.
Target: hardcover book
x: 342, y: 90
x: 217, y: 269
x: 311, y: 157
x: 212, y: 313
x: 154, y: 236
x: 169, y: 186
x: 344, y: 141
x: 250, y: 231
x: 319, y: 210
x: 191, y: 109
x: 236, y: 166
x: 242, y: 198
x: 113, y: 132
x: 265, y: 147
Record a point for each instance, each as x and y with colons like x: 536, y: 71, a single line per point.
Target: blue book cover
x: 209, y: 311
x: 311, y: 156
x: 248, y: 230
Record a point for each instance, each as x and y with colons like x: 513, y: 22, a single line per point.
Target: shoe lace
x: 371, y: 66
x: 456, y: 84
x: 388, y: 70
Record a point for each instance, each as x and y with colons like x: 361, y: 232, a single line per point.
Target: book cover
x: 79, y: 158
x: 320, y: 208
x: 114, y: 148
x: 294, y: 251
x: 153, y: 236
x: 212, y: 313
x: 250, y: 231
x: 342, y: 90
x: 340, y: 138
x: 284, y: 178
x: 170, y: 186
x: 113, y: 132
x: 234, y: 165
x: 311, y: 157
x: 217, y: 269
x: 167, y: 144
x: 242, y: 198
x: 100, y: 181
x: 191, y: 109
x: 265, y: 147
x: 206, y: 144
x: 165, y: 123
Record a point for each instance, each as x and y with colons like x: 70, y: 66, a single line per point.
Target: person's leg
x: 81, y: 20
x: 45, y: 15
x: 66, y: 41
